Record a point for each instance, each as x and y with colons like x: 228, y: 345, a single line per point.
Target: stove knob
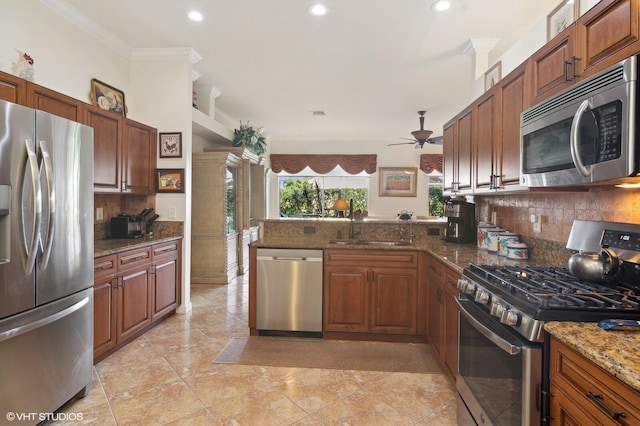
x: 482, y: 296
x: 497, y: 309
x: 510, y: 317
x: 462, y: 283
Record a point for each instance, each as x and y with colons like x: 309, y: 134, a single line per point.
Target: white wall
x: 65, y: 57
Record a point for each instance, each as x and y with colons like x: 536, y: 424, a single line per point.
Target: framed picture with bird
x: 171, y: 145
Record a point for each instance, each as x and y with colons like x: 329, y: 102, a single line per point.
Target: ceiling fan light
x: 421, y: 134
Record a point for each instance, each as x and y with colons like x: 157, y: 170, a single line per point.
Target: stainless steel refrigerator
x: 46, y: 262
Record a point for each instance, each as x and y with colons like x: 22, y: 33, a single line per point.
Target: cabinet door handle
x: 598, y: 399
x: 119, y: 282
x: 566, y: 74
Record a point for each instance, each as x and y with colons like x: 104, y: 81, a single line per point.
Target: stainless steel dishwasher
x: 289, y: 291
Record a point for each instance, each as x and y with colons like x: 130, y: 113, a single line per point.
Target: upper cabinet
x: 139, y: 158
x: 124, y: 153
x: 608, y: 33
x: 457, y: 139
x: 553, y: 67
x: 48, y: 100
x: 482, y: 143
x: 13, y: 89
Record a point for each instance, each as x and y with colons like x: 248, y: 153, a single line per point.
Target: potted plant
x: 247, y: 136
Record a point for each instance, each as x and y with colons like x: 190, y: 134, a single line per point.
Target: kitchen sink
x: 369, y: 243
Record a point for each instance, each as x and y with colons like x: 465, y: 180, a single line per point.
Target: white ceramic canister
x: 517, y: 251
x: 503, y: 241
x: 491, y: 239
x: 483, y: 228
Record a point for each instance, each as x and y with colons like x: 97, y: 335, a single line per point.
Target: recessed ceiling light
x: 441, y: 5
x: 318, y: 10
x: 195, y: 16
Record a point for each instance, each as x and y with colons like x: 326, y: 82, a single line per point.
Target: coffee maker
x: 461, y: 220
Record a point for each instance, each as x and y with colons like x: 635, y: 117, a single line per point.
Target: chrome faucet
x: 352, y: 232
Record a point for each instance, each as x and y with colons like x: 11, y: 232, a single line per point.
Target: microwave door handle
x: 508, y: 347
x: 573, y: 140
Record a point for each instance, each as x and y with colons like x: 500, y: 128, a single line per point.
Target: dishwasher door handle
x: 306, y: 259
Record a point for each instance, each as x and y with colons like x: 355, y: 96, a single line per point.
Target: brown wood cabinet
x: 457, y: 140
x: 485, y: 140
x: 555, y: 66
x: 371, y: 291
x: 53, y: 102
x: 496, y: 137
x: 13, y: 89
x: 166, y: 277
x: 606, y: 34
x: 104, y: 304
x: 124, y: 153
x: 132, y: 291
x: 442, y: 314
x: 583, y: 393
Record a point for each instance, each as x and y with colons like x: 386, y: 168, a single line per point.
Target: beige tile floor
x: 167, y: 376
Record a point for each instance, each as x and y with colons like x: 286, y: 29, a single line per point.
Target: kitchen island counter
x: 615, y: 351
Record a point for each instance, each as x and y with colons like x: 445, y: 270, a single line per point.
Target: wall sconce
x: 341, y: 206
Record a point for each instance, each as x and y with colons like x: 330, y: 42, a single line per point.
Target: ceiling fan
x: 420, y: 137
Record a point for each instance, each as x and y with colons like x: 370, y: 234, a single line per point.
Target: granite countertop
x: 117, y: 245
x: 615, y: 351
x: 457, y: 256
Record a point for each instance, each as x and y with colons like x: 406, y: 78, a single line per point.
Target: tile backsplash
x: 558, y: 210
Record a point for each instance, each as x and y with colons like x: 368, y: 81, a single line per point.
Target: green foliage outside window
x: 303, y: 196
x: 436, y: 207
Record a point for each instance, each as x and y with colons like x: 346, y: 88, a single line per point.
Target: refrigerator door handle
x: 31, y: 244
x: 50, y: 214
x: 22, y: 329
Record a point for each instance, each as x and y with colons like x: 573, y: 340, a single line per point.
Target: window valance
x: 431, y: 162
x: 295, y: 163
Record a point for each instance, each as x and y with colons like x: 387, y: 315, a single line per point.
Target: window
x: 435, y: 186
x: 309, y: 194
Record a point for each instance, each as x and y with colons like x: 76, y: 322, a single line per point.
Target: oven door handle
x: 508, y: 347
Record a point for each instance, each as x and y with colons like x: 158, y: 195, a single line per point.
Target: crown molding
x: 88, y: 25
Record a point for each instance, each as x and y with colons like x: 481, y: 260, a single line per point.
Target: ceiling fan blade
x: 409, y: 139
x: 401, y: 143
x: 436, y: 141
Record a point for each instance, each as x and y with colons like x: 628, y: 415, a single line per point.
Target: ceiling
x: 369, y: 64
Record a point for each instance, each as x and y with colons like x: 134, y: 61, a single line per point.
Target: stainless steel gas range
x: 502, y: 370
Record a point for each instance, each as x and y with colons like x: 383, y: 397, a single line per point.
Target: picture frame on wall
x: 170, y: 145
x: 561, y: 17
x: 398, y: 181
x: 107, y: 97
x: 492, y: 76
x: 170, y: 180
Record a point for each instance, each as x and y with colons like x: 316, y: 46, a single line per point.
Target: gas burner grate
x: 555, y: 288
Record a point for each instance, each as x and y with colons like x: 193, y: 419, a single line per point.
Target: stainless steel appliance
x: 584, y: 134
x: 502, y: 367
x: 289, y: 291
x: 46, y: 262
x: 461, y: 221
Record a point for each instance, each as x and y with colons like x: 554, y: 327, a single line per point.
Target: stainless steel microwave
x: 584, y: 134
